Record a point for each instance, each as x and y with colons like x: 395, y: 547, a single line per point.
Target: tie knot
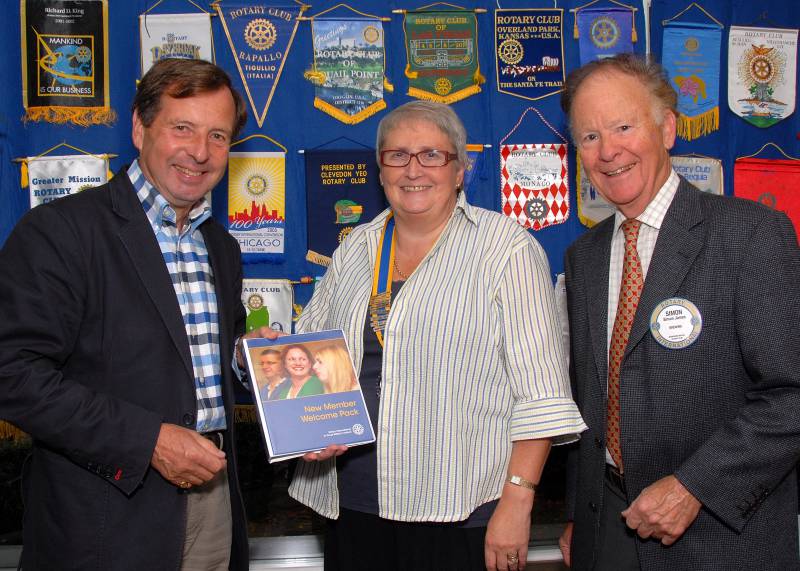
x: 631, y: 228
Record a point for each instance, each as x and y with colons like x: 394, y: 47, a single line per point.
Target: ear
x: 460, y: 176
x: 137, y: 132
x: 668, y: 129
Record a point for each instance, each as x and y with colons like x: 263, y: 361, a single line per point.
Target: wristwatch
x: 520, y: 481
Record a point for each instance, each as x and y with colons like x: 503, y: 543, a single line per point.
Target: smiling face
x: 414, y: 190
x: 184, y: 151
x: 297, y: 363
x: 321, y: 370
x: 624, y: 151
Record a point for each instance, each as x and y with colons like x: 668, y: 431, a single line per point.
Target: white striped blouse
x: 472, y: 361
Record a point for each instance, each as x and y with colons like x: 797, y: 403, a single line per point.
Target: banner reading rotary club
x: 64, y: 61
x: 184, y: 36
x: 268, y: 303
x: 348, y: 69
x: 533, y: 179
x: 703, y: 172
x: 256, y: 204
x: 260, y: 37
x: 774, y: 183
x: 51, y: 177
x: 762, y: 71
x: 529, y: 45
x: 442, y: 52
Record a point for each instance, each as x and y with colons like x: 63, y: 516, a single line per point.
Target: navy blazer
x: 723, y: 414
x: 93, y: 358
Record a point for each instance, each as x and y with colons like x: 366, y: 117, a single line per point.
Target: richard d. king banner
x: 256, y: 204
x: 268, y: 303
x: 184, y: 36
x: 529, y: 47
x: 51, y: 177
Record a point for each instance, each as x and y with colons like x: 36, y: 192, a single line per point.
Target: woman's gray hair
x: 438, y: 114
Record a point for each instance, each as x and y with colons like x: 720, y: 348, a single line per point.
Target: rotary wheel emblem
x: 260, y: 34
x: 256, y: 185
x: 371, y: 34
x: 510, y: 52
x: 84, y: 54
x: 344, y: 232
x: 443, y: 86
x: 604, y: 32
x: 761, y: 69
x: 536, y: 209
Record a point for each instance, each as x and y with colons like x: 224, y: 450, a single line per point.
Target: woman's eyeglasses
x: 426, y: 158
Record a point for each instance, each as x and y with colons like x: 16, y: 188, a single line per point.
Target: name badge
x: 676, y: 323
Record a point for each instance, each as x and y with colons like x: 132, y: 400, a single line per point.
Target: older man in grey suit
x: 684, y: 310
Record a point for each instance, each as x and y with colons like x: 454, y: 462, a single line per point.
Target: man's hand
x: 564, y: 543
x: 508, y: 531
x: 664, y: 510
x: 327, y: 453
x: 183, y: 456
x: 262, y: 332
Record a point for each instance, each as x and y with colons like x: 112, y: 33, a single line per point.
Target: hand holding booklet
x: 306, y: 393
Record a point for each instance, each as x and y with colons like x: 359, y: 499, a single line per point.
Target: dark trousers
x: 361, y: 541
x: 617, y: 542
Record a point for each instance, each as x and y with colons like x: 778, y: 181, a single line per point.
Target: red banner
x: 775, y: 183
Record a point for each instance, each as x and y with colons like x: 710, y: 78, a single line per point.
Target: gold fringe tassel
x: 83, y: 116
x: 326, y: 107
x: 387, y: 86
x: 411, y: 74
x: 245, y: 413
x: 23, y: 174
x: 633, y: 33
x: 690, y: 128
x: 317, y: 258
x: 477, y: 78
x: 575, y: 34
x: 448, y: 99
x: 314, y: 76
x: 10, y: 432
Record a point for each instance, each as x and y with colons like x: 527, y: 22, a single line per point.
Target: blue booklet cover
x: 307, y: 394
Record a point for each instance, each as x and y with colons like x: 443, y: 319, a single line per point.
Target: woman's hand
x: 327, y: 453
x: 506, y: 546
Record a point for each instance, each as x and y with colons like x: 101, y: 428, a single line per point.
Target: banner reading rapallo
x: 348, y: 69
x: 64, y: 61
x: 529, y: 46
x: 762, y: 74
x: 256, y: 204
x: 184, y: 36
x: 442, y: 55
x: 51, y: 177
x: 260, y: 37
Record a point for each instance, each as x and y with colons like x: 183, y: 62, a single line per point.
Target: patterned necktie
x: 629, y: 291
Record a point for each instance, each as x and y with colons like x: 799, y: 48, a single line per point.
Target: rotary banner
x: 592, y: 207
x: 343, y: 190
x: 442, y: 52
x: 774, y: 183
x: 691, y: 57
x: 51, y: 177
x: 762, y: 74
x: 474, y: 166
x: 604, y: 32
x: 260, y: 37
x: 256, y: 204
x: 703, y: 172
x: 268, y: 303
x: 348, y: 69
x: 185, y: 36
x: 529, y: 47
x: 64, y: 61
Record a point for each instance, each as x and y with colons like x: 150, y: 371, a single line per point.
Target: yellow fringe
x: 633, y: 33
x: 477, y: 78
x: 337, y: 113
x: 448, y: 99
x: 23, y: 174
x: 317, y: 258
x: 10, y: 432
x: 314, y: 76
x: 411, y: 74
x: 575, y: 33
x: 690, y: 128
x: 245, y: 413
x: 387, y: 86
x: 83, y: 116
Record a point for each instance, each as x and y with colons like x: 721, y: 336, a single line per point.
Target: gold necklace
x: 397, y: 269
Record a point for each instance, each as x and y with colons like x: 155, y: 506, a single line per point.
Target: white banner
x: 703, y: 172
x: 182, y: 36
x: 52, y: 177
x: 592, y: 208
x: 268, y: 302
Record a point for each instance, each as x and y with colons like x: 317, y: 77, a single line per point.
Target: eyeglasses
x: 426, y: 158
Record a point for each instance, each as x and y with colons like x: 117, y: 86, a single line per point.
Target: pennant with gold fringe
x: 260, y: 37
x: 349, y: 65
x: 64, y: 46
x: 691, y: 56
x: 442, y: 54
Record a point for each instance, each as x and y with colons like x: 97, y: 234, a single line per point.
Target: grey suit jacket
x: 93, y: 358
x: 723, y: 414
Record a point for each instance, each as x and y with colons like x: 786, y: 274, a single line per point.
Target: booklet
x: 307, y: 394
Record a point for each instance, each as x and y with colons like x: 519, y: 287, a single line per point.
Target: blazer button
x: 598, y: 443
x: 593, y: 506
x: 188, y: 419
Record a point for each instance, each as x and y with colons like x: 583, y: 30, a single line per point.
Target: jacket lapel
x: 680, y: 239
x: 141, y: 245
x: 596, y: 286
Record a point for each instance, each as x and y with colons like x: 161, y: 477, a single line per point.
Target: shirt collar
x: 158, y: 210
x: 655, y: 212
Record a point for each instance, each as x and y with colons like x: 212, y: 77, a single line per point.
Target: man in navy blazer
x: 709, y: 381
x: 120, y: 308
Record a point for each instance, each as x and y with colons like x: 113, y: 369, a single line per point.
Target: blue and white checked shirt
x: 187, y: 261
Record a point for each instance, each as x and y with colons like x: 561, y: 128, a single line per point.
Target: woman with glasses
x: 448, y: 310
